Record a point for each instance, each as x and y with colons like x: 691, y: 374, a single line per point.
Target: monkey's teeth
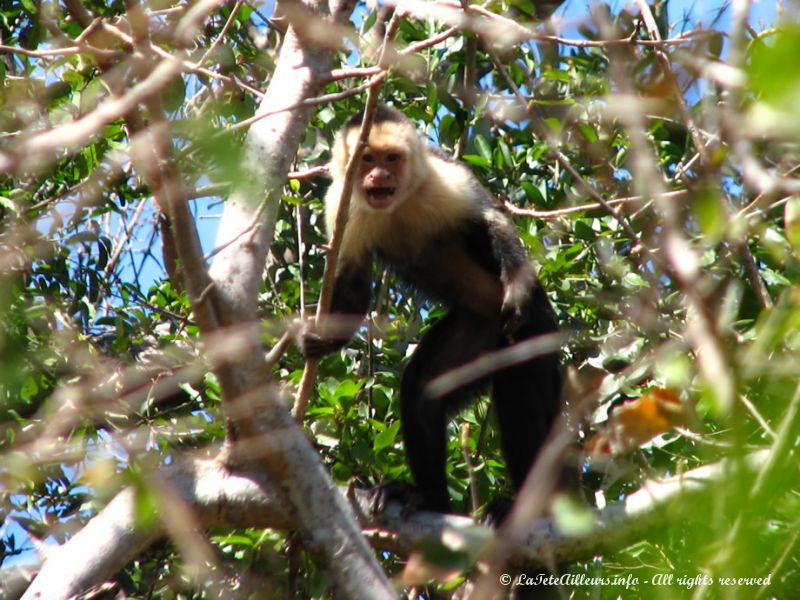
x: 382, y: 192
x: 380, y: 197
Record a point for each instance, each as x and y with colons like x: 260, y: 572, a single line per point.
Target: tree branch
x: 221, y: 498
x: 265, y: 431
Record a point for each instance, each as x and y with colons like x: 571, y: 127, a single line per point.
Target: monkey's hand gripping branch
x: 517, y: 297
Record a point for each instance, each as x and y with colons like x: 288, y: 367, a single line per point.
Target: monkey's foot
x: 312, y: 345
x: 497, y: 511
x: 406, y: 494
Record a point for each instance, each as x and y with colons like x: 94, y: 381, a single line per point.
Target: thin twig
x: 522, y: 33
x: 40, y: 53
x: 589, y: 206
x: 216, y: 43
x: 326, y: 293
x: 308, y: 173
x: 120, y: 245
x: 301, y: 263
x: 474, y: 497
x: 751, y: 408
x: 324, y: 99
x: 337, y: 74
x: 279, y: 348
x: 686, y: 114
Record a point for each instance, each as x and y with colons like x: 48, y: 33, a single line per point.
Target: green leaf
x: 146, y: 506
x: 588, y: 132
x: 347, y: 389
x: 584, y: 231
x: 477, y: 161
x: 235, y: 540
x: 387, y: 437
x: 8, y: 204
x: 768, y: 75
x: 484, y: 149
x: 29, y: 389
x: 635, y: 280
x: 791, y: 214
x: 572, y: 517
x: 369, y: 21
x: 557, y: 76
x: 174, y: 95
x: 293, y: 200
x: 532, y: 193
x: 505, y: 152
x: 710, y: 214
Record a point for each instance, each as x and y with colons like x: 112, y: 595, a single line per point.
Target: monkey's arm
x: 516, y: 273
x: 351, y: 297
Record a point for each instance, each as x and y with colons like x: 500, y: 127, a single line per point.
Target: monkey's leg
x: 527, y: 397
x: 454, y: 340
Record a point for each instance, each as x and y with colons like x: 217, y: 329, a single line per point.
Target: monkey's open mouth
x: 380, y: 197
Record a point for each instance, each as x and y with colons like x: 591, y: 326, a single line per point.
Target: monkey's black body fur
x: 475, y: 264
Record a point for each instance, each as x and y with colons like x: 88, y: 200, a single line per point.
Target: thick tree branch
x: 264, y: 430
x: 220, y: 498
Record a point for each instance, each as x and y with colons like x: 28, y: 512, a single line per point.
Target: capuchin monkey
x: 429, y: 220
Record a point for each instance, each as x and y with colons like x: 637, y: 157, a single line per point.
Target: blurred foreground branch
x: 221, y: 498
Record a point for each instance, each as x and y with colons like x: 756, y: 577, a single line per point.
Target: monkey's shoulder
x: 455, y: 178
x: 461, y: 184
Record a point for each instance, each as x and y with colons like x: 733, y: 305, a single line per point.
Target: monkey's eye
x: 367, y: 158
x: 392, y: 157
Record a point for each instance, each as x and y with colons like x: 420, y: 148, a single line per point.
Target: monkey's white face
x: 383, y: 177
